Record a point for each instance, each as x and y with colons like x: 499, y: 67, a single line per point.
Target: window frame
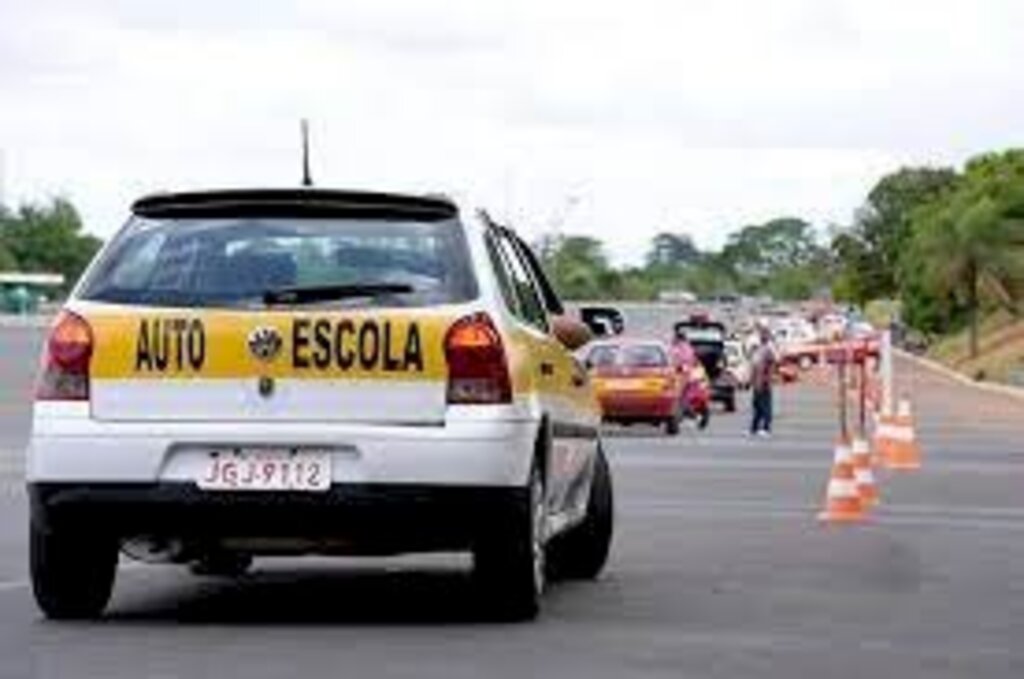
x: 504, y: 246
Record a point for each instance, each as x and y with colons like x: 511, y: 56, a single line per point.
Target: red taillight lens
x: 477, y: 368
x: 64, y: 373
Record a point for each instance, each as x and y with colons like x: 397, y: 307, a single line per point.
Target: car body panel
x: 158, y: 403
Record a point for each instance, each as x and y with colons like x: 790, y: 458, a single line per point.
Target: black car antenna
x: 307, y: 179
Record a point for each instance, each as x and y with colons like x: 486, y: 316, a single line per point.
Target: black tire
x: 672, y: 424
x: 72, y: 572
x: 730, y: 404
x: 582, y: 552
x: 510, y: 565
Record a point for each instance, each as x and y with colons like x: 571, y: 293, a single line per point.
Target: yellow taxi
x: 279, y: 372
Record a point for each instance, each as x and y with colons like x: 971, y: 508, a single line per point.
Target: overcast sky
x: 614, y: 119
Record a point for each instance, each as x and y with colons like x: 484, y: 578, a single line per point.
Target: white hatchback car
x: 275, y: 372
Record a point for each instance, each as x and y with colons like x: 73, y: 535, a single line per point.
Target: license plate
x: 626, y: 384
x: 266, y: 469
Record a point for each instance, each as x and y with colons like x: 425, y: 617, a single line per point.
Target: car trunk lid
x: 367, y: 365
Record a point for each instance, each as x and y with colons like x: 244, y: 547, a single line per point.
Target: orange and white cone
x: 862, y: 473
x: 842, y: 501
x: 896, y: 441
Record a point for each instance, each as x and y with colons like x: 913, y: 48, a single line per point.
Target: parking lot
x: 719, y: 568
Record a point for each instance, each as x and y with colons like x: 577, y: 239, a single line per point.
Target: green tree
x: 672, y: 250
x: 7, y: 261
x: 869, y: 253
x: 579, y: 267
x: 48, y: 238
x: 781, y: 257
x: 967, y: 247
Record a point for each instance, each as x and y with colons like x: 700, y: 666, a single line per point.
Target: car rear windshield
x: 628, y: 356
x: 243, y: 261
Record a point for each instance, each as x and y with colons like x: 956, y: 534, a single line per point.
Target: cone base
x: 903, y: 466
x: 840, y: 517
x: 869, y: 498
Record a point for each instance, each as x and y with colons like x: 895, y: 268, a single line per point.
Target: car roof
x: 294, y: 202
x: 629, y: 341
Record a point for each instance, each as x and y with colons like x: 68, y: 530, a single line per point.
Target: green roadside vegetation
x: 948, y: 245
x: 45, y: 238
x: 1000, y: 356
x: 941, y: 249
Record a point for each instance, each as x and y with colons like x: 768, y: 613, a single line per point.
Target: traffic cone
x: 842, y: 501
x: 904, y: 452
x: 862, y: 473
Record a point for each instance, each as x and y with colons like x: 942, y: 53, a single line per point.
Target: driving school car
x: 276, y: 372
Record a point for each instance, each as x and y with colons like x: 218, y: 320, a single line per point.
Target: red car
x: 644, y: 381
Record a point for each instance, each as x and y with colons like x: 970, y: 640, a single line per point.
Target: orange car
x: 638, y: 381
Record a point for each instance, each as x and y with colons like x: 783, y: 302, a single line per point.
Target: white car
x: 737, y: 362
x: 274, y: 372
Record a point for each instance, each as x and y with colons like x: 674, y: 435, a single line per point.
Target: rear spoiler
x: 306, y: 202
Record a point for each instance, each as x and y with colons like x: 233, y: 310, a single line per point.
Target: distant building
x: 21, y: 293
x: 677, y: 297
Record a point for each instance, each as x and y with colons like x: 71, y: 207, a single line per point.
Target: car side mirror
x: 571, y: 333
x: 603, y: 321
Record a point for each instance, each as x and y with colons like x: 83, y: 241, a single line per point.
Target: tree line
x: 947, y: 244
x: 782, y: 257
x: 45, y: 238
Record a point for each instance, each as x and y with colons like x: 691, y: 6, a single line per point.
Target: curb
x: 934, y: 366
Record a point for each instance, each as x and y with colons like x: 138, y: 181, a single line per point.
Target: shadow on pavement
x: 313, y: 597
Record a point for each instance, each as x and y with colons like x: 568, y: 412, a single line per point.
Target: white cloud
x: 689, y: 115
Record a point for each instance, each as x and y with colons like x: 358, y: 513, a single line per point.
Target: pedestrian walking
x: 762, y: 373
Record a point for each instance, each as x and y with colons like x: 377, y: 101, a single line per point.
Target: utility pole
x: 307, y: 179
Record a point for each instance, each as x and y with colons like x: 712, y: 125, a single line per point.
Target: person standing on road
x: 762, y: 372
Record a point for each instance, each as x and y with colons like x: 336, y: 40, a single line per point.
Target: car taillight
x: 64, y: 373
x: 477, y: 368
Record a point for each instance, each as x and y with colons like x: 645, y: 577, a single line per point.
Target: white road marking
x: 723, y: 463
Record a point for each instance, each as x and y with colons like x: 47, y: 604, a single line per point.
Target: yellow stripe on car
x: 182, y: 345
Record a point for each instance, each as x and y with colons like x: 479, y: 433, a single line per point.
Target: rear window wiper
x: 328, y: 293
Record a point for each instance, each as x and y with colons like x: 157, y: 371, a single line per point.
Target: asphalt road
x: 719, y: 569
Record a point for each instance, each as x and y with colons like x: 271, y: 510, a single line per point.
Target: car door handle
x: 547, y: 368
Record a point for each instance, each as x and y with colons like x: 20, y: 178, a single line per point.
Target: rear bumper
x: 353, y: 518
x: 481, y: 452
x: 638, y: 406
x: 723, y: 391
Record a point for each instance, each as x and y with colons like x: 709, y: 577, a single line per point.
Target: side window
x: 501, y: 273
x: 551, y: 301
x: 531, y: 306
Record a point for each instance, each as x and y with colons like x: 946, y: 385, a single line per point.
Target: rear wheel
x: 582, y: 551
x: 730, y: 404
x: 510, y: 566
x: 72, y: 572
x: 672, y: 424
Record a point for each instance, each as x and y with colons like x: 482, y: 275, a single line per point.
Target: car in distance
x: 638, y: 381
x: 737, y: 362
x: 313, y: 371
x: 707, y: 337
